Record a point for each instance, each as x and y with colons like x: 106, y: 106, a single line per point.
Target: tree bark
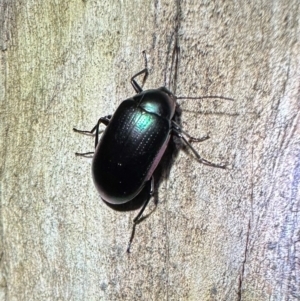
x: 216, y: 234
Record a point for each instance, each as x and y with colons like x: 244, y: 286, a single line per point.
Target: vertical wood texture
x: 216, y: 235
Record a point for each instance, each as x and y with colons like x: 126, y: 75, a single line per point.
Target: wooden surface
x: 215, y: 235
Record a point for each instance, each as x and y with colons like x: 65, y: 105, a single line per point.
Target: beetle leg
x: 91, y: 132
x: 138, y: 218
x: 178, y: 129
x: 87, y: 155
x: 202, y: 160
x: 135, y: 85
x: 105, y: 120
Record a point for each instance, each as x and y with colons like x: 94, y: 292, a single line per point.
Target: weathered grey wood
x: 216, y: 235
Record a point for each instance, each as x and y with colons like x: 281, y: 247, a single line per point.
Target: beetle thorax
x: 157, y: 102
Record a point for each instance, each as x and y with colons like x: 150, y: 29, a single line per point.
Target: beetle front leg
x: 135, y: 85
x: 139, y: 217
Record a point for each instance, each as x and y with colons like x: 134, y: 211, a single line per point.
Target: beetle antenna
x: 203, y: 97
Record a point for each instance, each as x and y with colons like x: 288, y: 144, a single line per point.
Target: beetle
x: 133, y: 143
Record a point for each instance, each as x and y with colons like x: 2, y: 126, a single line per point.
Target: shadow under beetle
x: 133, y: 143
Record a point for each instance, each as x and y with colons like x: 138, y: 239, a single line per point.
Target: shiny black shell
x: 132, y: 145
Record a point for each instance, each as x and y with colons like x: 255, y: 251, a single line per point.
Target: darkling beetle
x: 133, y: 143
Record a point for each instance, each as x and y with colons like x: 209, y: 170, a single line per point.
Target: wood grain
x: 216, y: 234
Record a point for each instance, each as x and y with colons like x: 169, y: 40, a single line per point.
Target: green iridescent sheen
x: 144, y: 121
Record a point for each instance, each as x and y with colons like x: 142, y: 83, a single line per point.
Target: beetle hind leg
x: 139, y: 218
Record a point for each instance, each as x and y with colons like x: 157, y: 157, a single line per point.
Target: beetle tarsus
x: 131, y: 238
x: 84, y: 132
x: 201, y: 139
x: 88, y: 154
